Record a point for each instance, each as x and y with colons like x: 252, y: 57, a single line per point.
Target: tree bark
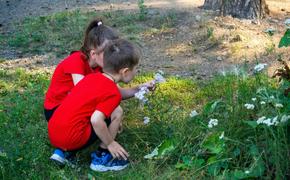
x: 248, y: 9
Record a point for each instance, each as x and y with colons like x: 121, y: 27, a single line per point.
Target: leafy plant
x: 142, y: 10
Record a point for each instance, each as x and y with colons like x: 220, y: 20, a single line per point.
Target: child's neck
x: 110, y: 76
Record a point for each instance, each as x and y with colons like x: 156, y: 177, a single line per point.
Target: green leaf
x: 160, y: 151
x: 214, y: 169
x: 259, y: 168
x: 253, y: 124
x: 188, y: 163
x: 254, y: 150
x: 285, y: 40
x: 214, y: 144
x: 240, y: 174
x: 211, y: 106
x: 237, y: 152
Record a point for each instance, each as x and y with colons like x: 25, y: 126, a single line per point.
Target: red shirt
x: 70, y: 126
x: 62, y: 82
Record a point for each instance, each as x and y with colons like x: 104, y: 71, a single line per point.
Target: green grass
x: 198, y: 152
x: 62, y: 32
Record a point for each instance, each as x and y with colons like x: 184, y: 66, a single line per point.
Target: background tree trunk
x: 249, y: 9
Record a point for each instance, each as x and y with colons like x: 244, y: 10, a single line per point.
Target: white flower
x: 224, y: 73
x: 278, y: 105
x: 212, y: 123
x: 260, y: 67
x: 158, y: 78
x: 268, y: 121
x: 284, y: 118
x: 160, y: 72
x: 236, y: 70
x: 247, y: 172
x: 275, y: 120
x: 262, y: 102
x: 272, y: 97
x: 270, y: 30
x: 249, y: 106
x: 254, y: 99
x: 222, y: 135
x: 146, y: 120
x: 141, y: 94
x: 261, y: 119
x: 193, y: 113
x: 287, y: 23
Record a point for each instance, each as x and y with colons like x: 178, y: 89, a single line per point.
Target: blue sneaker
x: 105, y: 162
x: 61, y: 157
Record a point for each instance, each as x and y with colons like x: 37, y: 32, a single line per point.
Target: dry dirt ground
x: 181, y: 50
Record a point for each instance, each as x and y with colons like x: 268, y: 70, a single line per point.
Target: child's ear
x: 124, y: 70
x: 92, y: 53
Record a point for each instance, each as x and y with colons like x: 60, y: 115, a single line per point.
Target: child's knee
x: 117, y: 114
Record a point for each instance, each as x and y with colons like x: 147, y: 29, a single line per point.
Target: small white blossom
x: 262, y: 102
x: 287, y: 23
x: 268, y: 121
x: 275, y: 120
x: 141, y: 94
x: 158, y: 78
x: 260, y: 67
x: 249, y: 106
x: 212, y: 123
x: 278, y: 105
x: 254, y: 99
x: 261, y: 119
x: 224, y: 73
x: 222, y: 135
x: 146, y: 120
x: 284, y: 118
x: 247, y: 172
x: 160, y: 72
x: 269, y: 30
x: 193, y: 113
x: 272, y: 97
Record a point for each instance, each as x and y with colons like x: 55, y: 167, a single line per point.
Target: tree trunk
x: 248, y: 9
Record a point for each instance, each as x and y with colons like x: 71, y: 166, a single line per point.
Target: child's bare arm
x: 100, y: 128
x: 130, y: 92
x: 76, y: 78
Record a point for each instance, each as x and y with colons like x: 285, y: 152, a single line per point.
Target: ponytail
x: 96, y: 35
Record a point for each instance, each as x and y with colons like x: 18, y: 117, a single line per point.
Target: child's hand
x: 150, y: 85
x: 117, y: 150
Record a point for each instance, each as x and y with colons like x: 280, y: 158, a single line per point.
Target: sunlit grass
x: 25, y: 148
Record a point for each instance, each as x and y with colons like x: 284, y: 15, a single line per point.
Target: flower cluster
x: 278, y: 105
x: 146, y: 120
x: 222, y: 135
x: 193, y: 113
x: 260, y: 67
x: 158, y: 78
x: 212, y: 123
x: 250, y: 106
x: 141, y: 94
x: 273, y: 121
x: 287, y: 23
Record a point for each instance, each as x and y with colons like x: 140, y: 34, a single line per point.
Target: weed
x: 236, y: 147
x: 142, y: 10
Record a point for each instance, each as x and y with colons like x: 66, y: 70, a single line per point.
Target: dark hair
x: 120, y: 54
x: 95, y: 36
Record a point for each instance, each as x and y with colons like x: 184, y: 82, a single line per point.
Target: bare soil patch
x: 199, y: 45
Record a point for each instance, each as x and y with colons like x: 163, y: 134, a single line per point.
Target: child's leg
x: 116, y: 120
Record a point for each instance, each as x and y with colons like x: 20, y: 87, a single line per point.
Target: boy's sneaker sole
x: 57, y: 159
x: 102, y: 168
